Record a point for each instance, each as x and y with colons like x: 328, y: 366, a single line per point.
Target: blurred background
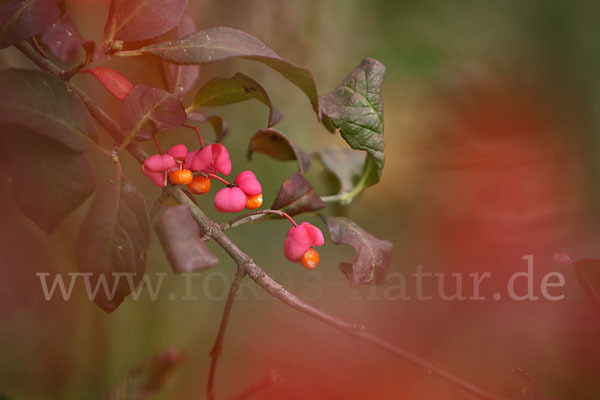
x: 492, y: 129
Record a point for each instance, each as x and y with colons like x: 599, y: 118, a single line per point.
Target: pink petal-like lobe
x: 300, y: 239
x: 157, y: 177
x: 160, y: 162
x: 178, y: 152
x: 189, y: 157
x: 230, y: 200
x: 202, y: 160
x: 221, y: 161
x: 246, y: 180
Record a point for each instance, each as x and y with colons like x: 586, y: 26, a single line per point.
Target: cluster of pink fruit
x: 179, y: 166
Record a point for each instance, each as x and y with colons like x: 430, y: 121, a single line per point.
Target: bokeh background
x: 492, y: 127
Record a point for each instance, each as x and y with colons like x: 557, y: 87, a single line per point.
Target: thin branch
x: 272, y: 377
x: 247, y: 265
x: 45, y: 63
x: 253, y: 217
x: 354, y: 330
x: 217, y: 348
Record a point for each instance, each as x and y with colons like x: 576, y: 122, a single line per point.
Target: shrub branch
x: 245, y: 264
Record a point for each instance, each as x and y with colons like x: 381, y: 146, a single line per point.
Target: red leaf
x: 42, y: 103
x: 112, y: 239
x: 47, y: 179
x: 373, y: 255
x: 148, y: 110
x: 63, y: 39
x: 297, y: 195
x: 21, y: 19
x: 181, y: 78
x: 221, y: 43
x: 133, y: 20
x: 114, y: 82
x: 181, y: 239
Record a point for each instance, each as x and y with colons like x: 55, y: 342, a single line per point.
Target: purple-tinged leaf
x: 278, y: 146
x: 112, y: 242
x: 181, y: 78
x: 588, y: 275
x: 222, y: 91
x: 47, y: 180
x: 373, y: 255
x: 345, y: 164
x: 63, y: 39
x: 133, y: 20
x: 181, y: 239
x: 148, y: 110
x: 296, y: 195
x: 21, y: 19
x: 355, y: 108
x: 219, y: 126
x: 147, y: 377
x: 221, y: 43
x: 42, y: 103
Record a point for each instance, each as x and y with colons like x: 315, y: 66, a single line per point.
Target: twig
x: 45, y: 63
x: 246, y: 264
x: 252, y: 217
x: 272, y: 377
x: 217, y: 348
x: 354, y: 330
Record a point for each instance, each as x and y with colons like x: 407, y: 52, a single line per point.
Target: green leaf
x: 345, y: 164
x: 222, y: 91
x: 42, y: 103
x: 355, y: 108
x: 279, y: 146
x: 47, y: 180
x: 182, y: 240
x: 588, y: 275
x: 21, y: 19
x: 373, y: 255
x: 113, y: 239
x: 221, y: 43
x: 296, y: 195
